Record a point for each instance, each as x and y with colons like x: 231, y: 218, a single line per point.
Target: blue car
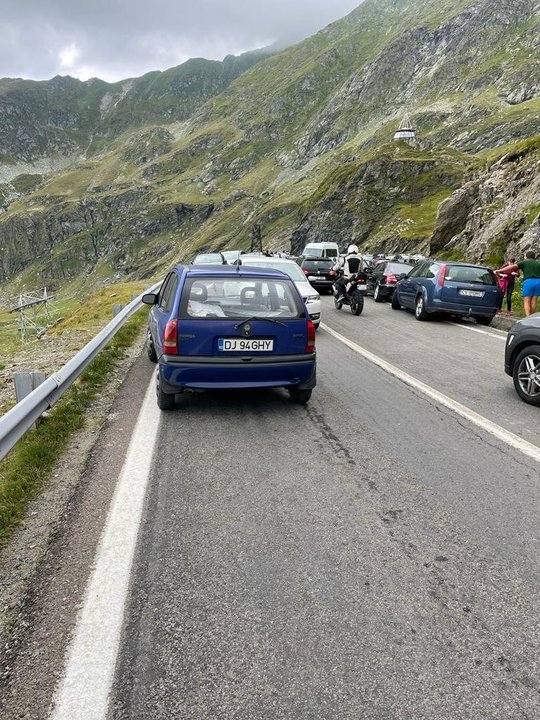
x: 449, y: 288
x: 230, y: 327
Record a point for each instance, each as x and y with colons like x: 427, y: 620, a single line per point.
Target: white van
x: 322, y: 250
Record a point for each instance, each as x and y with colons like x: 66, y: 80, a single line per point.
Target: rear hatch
x: 468, y: 285
x: 241, y: 315
x: 318, y: 269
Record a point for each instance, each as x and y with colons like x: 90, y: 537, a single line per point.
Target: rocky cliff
x: 301, y: 143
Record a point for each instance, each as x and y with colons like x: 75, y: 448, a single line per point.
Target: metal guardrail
x: 15, y: 423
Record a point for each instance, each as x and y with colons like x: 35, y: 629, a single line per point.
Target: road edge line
x: 84, y: 689
x: 489, y: 426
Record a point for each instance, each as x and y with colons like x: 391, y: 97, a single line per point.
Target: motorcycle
x: 354, y: 297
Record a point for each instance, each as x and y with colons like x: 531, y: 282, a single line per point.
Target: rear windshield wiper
x: 255, y: 317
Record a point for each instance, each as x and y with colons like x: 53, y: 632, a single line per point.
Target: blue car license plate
x: 245, y: 345
x: 472, y: 293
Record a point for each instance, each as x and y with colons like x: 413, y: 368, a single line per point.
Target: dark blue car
x: 449, y: 288
x: 230, y: 327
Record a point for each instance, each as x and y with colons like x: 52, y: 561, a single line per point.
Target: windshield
x: 208, y: 259
x: 291, y: 268
x: 312, y: 251
x: 234, y: 298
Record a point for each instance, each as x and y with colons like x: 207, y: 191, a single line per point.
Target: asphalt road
x: 372, y: 555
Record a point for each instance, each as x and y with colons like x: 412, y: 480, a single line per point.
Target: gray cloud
x: 116, y: 39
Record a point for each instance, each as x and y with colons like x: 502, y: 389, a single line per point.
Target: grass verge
x: 24, y: 472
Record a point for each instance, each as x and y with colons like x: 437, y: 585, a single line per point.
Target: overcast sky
x: 116, y: 39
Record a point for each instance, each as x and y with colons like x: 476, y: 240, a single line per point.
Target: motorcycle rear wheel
x: 357, y: 302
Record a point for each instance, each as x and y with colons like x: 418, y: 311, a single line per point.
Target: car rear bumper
x: 178, y: 373
x: 443, y: 306
x: 322, y: 282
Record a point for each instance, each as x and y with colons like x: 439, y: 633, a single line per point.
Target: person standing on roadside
x: 530, y: 291
x: 507, y: 282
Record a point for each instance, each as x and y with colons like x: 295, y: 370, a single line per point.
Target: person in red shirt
x: 530, y: 267
x: 507, y: 282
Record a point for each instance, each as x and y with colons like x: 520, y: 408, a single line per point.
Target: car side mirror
x: 150, y: 299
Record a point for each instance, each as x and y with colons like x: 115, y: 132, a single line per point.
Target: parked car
x: 307, y: 291
x: 319, y: 273
x: 449, y: 288
x: 230, y: 327
x: 209, y: 259
x: 522, y: 358
x: 384, y: 277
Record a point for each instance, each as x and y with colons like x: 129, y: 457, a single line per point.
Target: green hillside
x: 302, y: 143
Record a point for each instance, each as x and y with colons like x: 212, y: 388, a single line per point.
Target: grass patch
x: 24, y: 472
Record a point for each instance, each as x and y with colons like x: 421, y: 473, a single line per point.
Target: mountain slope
x: 302, y: 144
x: 65, y: 116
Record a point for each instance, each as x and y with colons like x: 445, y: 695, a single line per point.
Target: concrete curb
x: 501, y: 322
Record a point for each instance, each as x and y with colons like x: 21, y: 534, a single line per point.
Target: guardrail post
x: 116, y: 308
x: 26, y: 382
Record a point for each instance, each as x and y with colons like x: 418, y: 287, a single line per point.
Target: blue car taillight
x: 170, y: 338
x: 310, y: 344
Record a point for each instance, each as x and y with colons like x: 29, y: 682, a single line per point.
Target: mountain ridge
x: 301, y: 143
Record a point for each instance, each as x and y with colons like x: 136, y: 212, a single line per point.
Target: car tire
x: 357, y: 303
x: 150, y: 349
x: 420, y: 309
x: 298, y: 396
x: 395, y: 302
x: 484, y: 320
x: 378, y: 295
x: 525, y: 366
x: 165, y: 400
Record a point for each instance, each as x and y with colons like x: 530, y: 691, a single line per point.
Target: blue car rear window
x: 239, y: 297
x: 476, y: 275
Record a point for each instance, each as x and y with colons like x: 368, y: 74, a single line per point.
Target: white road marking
x: 494, y: 332
x: 83, y: 692
x: 500, y: 433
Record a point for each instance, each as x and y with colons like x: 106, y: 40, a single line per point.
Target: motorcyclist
x: 350, y: 264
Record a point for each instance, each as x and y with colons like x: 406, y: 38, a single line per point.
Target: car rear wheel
x: 526, y: 374
x: 165, y: 400
x: 420, y: 309
x: 300, y: 397
x: 357, y: 303
x: 150, y: 349
x: 395, y: 302
x: 378, y: 295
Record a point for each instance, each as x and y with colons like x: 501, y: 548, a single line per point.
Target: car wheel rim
x: 419, y: 305
x: 529, y: 376
x: 376, y: 293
